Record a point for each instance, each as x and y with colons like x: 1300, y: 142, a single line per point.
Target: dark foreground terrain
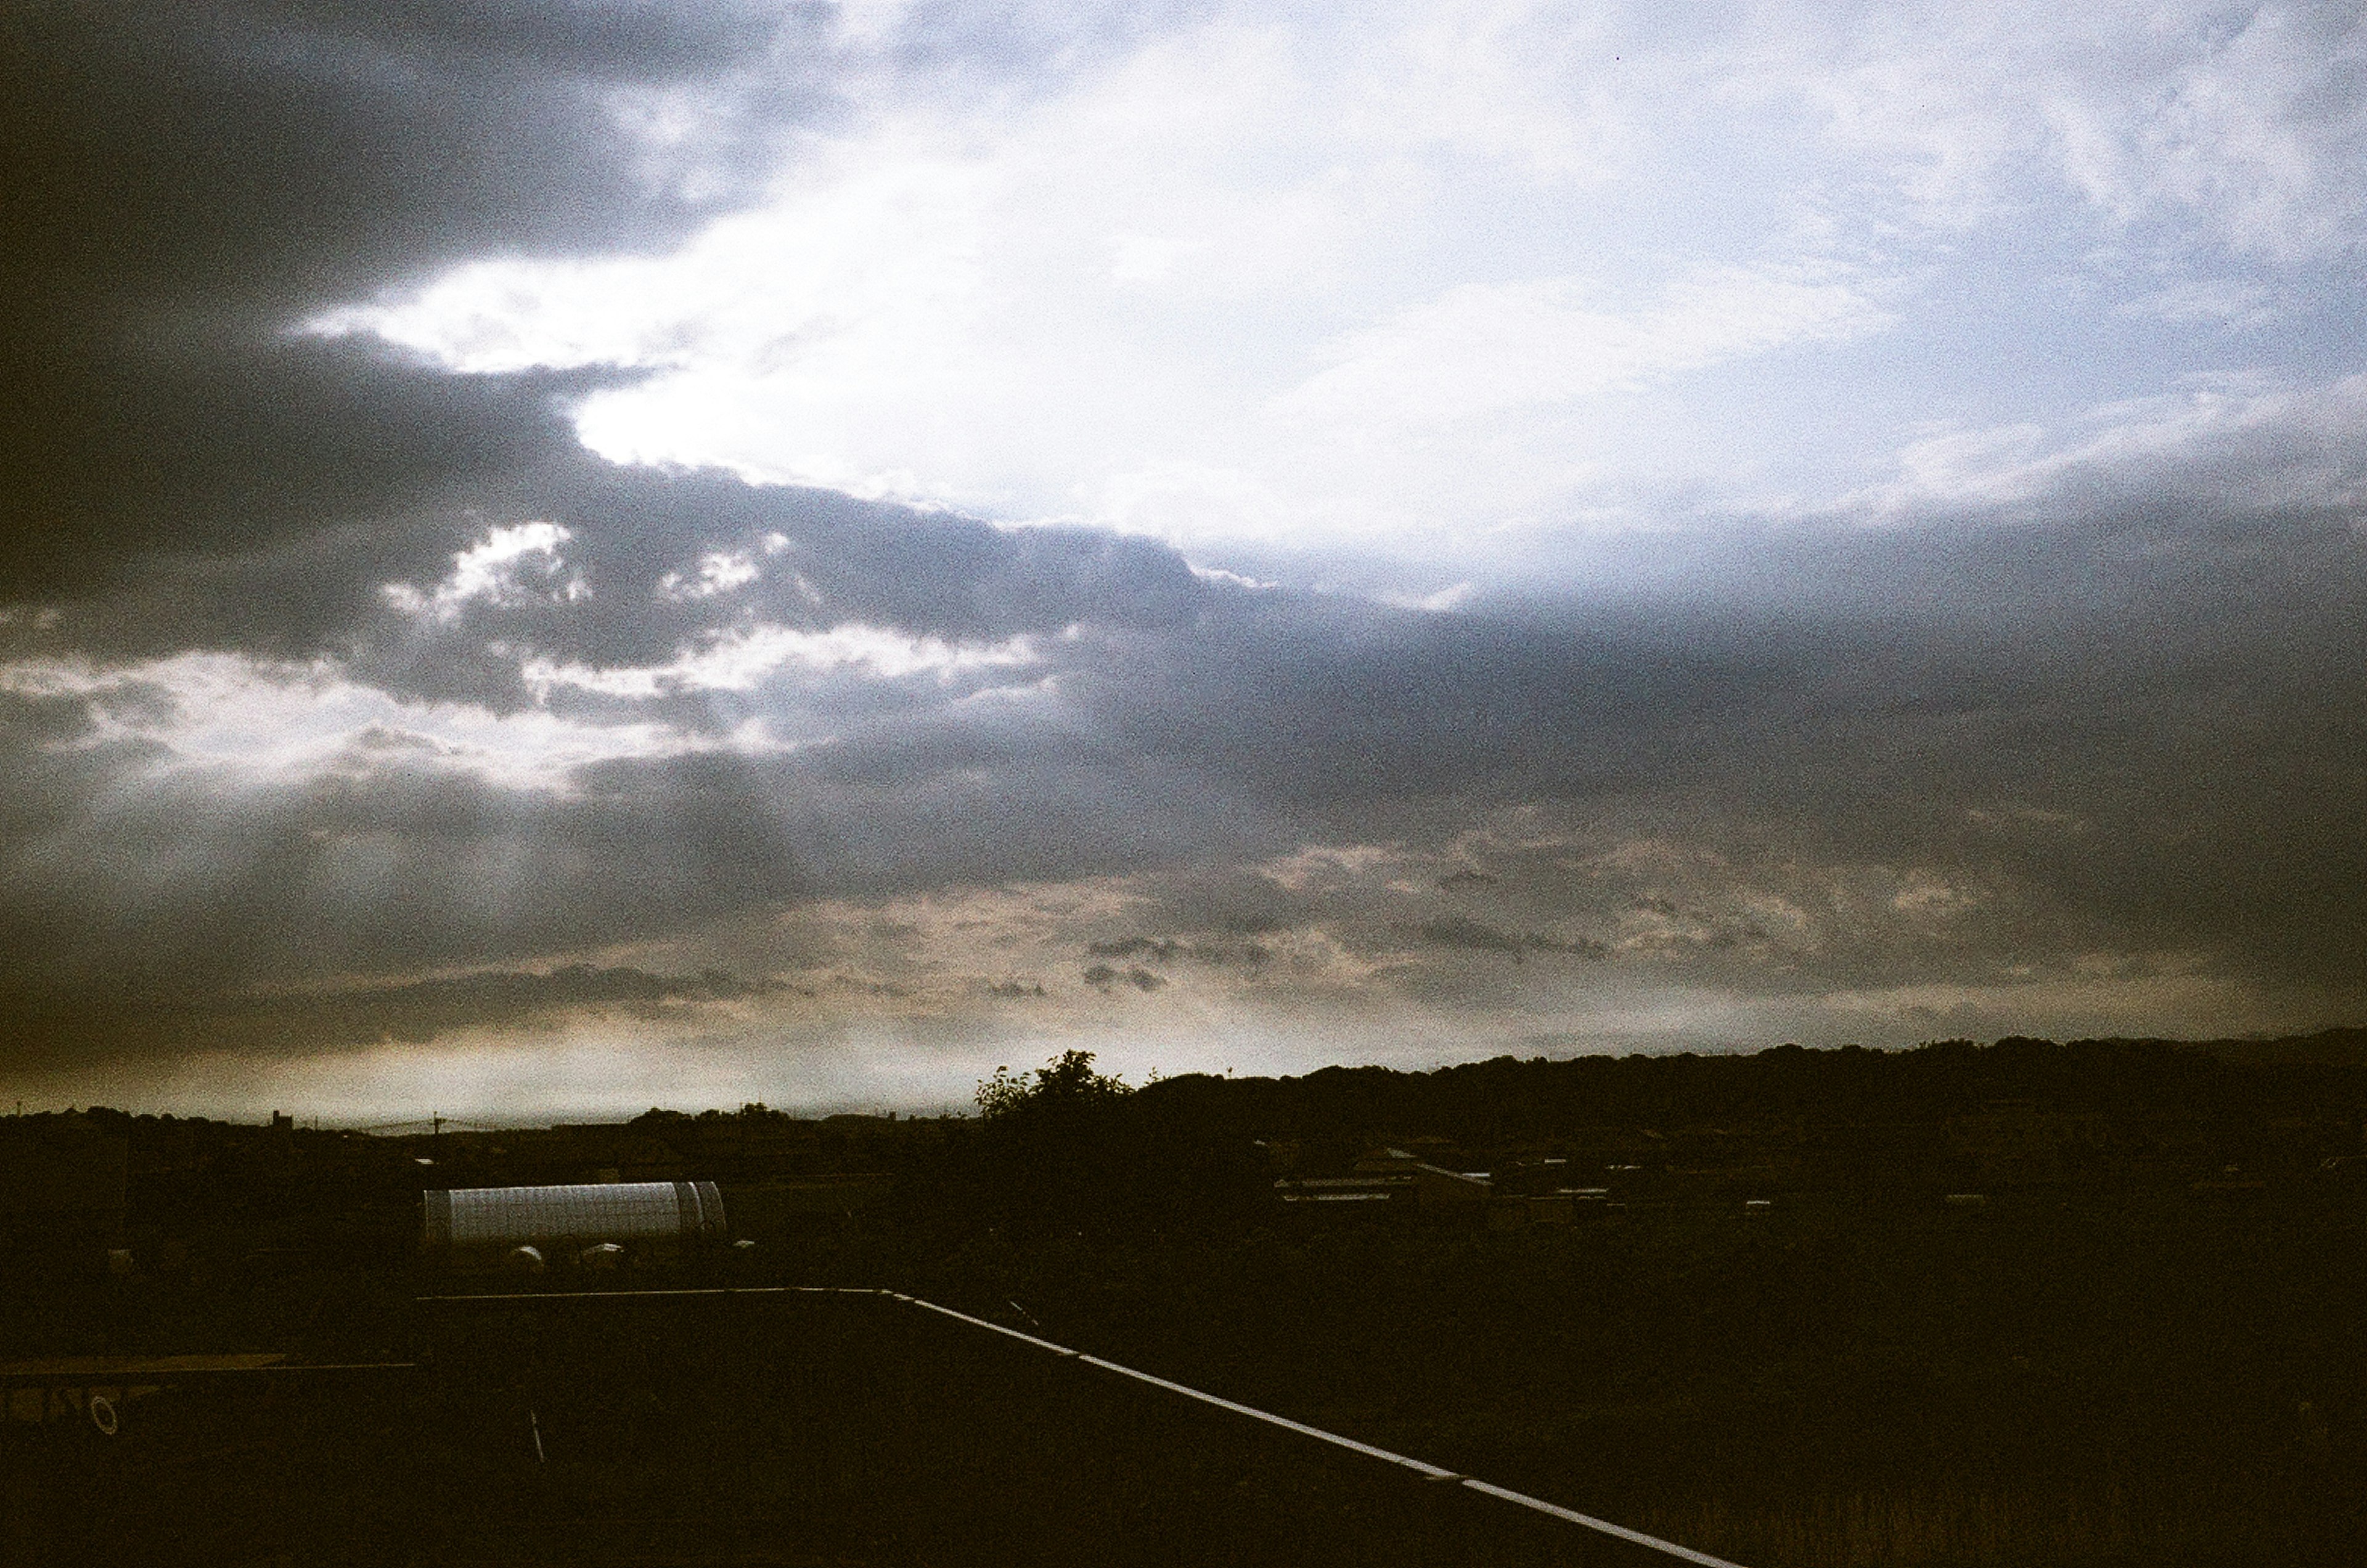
x: 2088, y: 1305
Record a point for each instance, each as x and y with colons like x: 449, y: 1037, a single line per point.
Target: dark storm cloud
x: 180, y: 183
x: 1461, y: 931
x: 2133, y: 730
x: 257, y: 495
x: 259, y: 155
x: 825, y: 560
x: 2125, y: 734
x: 42, y: 1029
x: 1136, y: 947
x: 1168, y: 950
x: 1104, y: 977
x: 638, y: 540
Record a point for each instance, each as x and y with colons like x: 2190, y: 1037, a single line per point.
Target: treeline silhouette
x: 1508, y: 1098
x: 1071, y: 1146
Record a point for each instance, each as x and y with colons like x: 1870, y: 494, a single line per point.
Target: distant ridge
x: 2327, y: 1048
x: 1510, y: 1099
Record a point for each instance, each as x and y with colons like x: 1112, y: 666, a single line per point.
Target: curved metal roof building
x: 474, y: 1217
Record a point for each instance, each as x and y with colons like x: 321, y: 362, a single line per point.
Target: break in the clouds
x: 1379, y: 276
x: 561, y: 556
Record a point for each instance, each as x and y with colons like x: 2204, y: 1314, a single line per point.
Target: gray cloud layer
x: 185, y: 182
x: 2113, y: 737
x: 2098, y: 724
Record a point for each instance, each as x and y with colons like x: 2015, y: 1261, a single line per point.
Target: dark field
x: 1760, y: 1327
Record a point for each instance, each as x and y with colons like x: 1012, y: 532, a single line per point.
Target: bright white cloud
x: 267, y: 724
x: 719, y: 571
x: 1481, y: 351
x: 2248, y: 121
x: 494, y: 570
x: 742, y: 658
x: 1429, y: 276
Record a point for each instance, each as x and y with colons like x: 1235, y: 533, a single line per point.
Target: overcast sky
x: 559, y: 555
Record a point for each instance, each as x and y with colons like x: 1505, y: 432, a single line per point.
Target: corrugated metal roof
x: 508, y: 1216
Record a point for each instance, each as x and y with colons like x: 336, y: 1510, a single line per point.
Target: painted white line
x: 609, y: 1295
x: 982, y: 1322
x: 1605, y: 1526
x: 1428, y: 1471
x: 1434, y: 1473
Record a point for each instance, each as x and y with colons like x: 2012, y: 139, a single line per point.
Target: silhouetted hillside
x: 1507, y: 1100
